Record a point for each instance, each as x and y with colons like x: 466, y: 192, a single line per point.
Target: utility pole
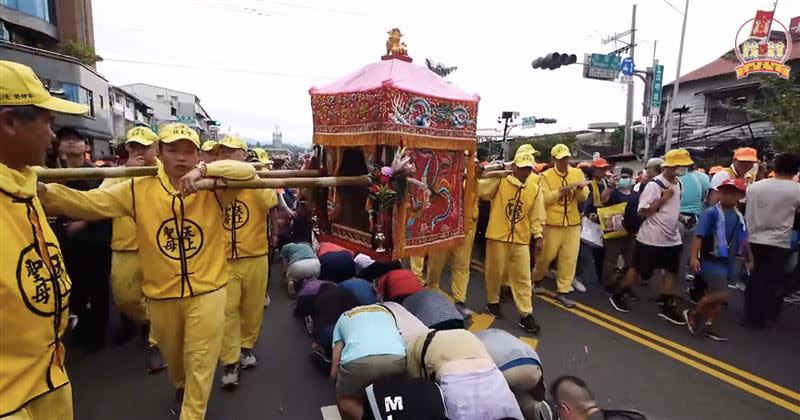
x: 649, y: 117
x: 628, y: 141
x: 506, y: 117
x: 671, y: 103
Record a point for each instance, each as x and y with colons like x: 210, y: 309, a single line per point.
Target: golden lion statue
x: 393, y: 45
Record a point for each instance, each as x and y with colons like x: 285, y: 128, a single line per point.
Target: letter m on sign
x: 393, y: 404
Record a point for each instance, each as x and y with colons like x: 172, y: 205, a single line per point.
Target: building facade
x: 169, y: 105
x: 127, y: 111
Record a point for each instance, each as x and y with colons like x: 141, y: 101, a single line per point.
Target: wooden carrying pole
x: 67, y: 174
x: 318, y: 182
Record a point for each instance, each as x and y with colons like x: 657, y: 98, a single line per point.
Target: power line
x: 220, y: 69
x: 673, y: 7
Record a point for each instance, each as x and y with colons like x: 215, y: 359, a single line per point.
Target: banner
x: 794, y: 26
x: 761, y: 24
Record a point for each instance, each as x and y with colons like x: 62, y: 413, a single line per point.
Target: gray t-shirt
x: 431, y: 307
x: 504, y: 347
x: 661, y: 227
x: 771, y: 208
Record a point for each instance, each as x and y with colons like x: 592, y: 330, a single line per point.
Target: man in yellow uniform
x: 514, y: 231
x: 563, y: 187
x: 34, y: 286
x: 126, y: 270
x: 246, y: 222
x: 459, y: 259
x: 179, y: 234
x: 208, y: 151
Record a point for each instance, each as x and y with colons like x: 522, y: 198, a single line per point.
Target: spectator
x: 772, y: 207
x: 658, y: 242
x: 617, y: 193
x: 473, y: 387
x: 361, y: 289
x: 520, y: 365
x: 396, y: 285
x: 367, y: 346
x: 299, y: 263
x: 403, y: 399
x: 307, y: 293
x: 326, y: 247
x: 337, y: 266
x: 331, y: 302
x: 693, y: 197
x: 598, y: 191
x: 651, y: 170
x: 409, y: 325
x: 744, y: 159
x: 573, y: 399
x: 434, y: 310
x: 720, y: 235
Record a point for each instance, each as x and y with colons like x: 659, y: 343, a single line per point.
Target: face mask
x: 625, y: 182
x: 681, y: 171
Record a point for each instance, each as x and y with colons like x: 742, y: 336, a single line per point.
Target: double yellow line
x: 725, y: 372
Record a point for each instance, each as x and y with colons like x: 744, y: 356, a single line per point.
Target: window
x: 36, y: 8
x: 173, y: 111
x: 128, y: 103
x: 725, y: 108
x: 118, y: 99
x: 70, y: 91
x: 85, y: 96
x: 102, y: 103
x: 160, y: 97
x: 173, y: 98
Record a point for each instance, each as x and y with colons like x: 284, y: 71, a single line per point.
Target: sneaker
x: 670, y: 314
x: 633, y: 295
x: 154, y: 362
x: 321, y: 360
x: 266, y: 302
x: 230, y: 377
x: 577, y: 285
x: 714, y: 335
x: 564, y: 300
x: 690, y: 325
x: 175, y: 409
x: 72, y: 321
x: 462, y: 308
x: 494, y: 310
x: 248, y: 359
x: 538, y: 289
x: 618, y: 302
x: 528, y: 324
x: 309, y: 324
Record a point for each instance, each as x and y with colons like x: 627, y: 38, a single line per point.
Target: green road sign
x: 655, y: 95
x: 528, y: 122
x: 606, y: 62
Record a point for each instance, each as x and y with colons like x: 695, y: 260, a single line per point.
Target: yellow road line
x: 480, y: 322
x: 681, y: 358
x: 708, y: 359
x: 534, y: 343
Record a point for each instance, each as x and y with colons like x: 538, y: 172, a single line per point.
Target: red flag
x: 761, y: 24
x: 794, y: 25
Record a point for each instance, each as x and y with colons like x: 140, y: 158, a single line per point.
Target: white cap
x: 362, y: 261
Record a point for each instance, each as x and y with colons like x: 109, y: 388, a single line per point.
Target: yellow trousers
x: 244, y: 309
x: 126, y: 287
x: 563, y: 242
x: 55, y: 405
x: 189, y: 334
x: 459, y: 259
x: 418, y: 267
x: 505, y: 260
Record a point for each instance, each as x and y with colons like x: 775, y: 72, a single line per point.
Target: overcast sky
x: 252, y: 61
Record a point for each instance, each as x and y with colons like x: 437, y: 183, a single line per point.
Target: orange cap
x: 600, y: 163
x: 746, y: 154
x: 714, y: 169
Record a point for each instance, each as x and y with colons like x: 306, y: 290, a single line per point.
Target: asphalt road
x: 633, y: 360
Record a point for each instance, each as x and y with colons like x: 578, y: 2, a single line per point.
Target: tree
x: 781, y: 107
x: 83, y: 53
x: 439, y: 68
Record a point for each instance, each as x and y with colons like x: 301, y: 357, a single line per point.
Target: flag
x: 761, y: 24
x: 794, y: 26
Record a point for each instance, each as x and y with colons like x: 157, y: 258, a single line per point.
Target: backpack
x: 631, y: 219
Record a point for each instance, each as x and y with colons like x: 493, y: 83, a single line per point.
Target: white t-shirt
x: 719, y: 178
x: 771, y: 208
x: 409, y: 325
x: 661, y: 227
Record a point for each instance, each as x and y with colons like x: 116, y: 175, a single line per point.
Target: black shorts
x: 648, y: 258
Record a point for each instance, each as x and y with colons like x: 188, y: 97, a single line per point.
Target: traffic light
x: 554, y: 61
x: 546, y: 121
x: 215, y: 123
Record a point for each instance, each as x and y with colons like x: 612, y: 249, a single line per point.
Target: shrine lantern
x: 362, y: 121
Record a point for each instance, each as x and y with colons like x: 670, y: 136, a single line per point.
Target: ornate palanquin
x: 361, y: 120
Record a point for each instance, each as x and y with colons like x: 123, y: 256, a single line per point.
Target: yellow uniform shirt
x: 34, y: 295
x: 179, y: 238
x: 245, y: 221
x: 123, y: 237
x: 517, y: 209
x: 562, y: 211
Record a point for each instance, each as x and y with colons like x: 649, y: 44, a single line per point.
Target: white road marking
x: 330, y: 412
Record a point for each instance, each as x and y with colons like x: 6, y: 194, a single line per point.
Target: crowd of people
x: 187, y: 262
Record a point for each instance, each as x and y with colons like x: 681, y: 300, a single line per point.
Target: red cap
x: 600, y: 163
x: 737, y: 183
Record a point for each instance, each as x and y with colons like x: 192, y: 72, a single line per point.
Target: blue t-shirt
x: 368, y: 331
x: 361, y: 289
x: 616, y: 197
x: 695, y: 189
x: 706, y: 229
x: 297, y: 252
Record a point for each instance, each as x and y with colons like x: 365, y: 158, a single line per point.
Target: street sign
x: 655, y: 92
x: 528, y: 122
x: 601, y: 66
x: 625, y: 79
x: 626, y: 68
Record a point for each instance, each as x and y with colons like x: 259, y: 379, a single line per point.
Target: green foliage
x: 618, y: 139
x: 83, y: 53
x: 544, y: 143
x: 781, y: 107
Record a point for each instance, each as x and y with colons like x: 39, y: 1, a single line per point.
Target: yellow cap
x: 174, y: 132
x: 524, y: 160
x: 560, y: 151
x: 208, y: 146
x: 527, y: 148
x: 262, y: 155
x: 141, y: 135
x: 20, y: 87
x: 233, y: 142
x: 677, y: 157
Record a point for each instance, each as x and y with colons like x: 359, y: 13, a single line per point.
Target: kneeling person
x: 434, y: 310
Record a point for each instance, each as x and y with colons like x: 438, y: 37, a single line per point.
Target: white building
x: 127, y: 111
x: 170, y: 105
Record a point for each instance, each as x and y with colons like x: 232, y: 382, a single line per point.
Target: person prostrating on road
x: 180, y: 236
x: 658, y: 241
